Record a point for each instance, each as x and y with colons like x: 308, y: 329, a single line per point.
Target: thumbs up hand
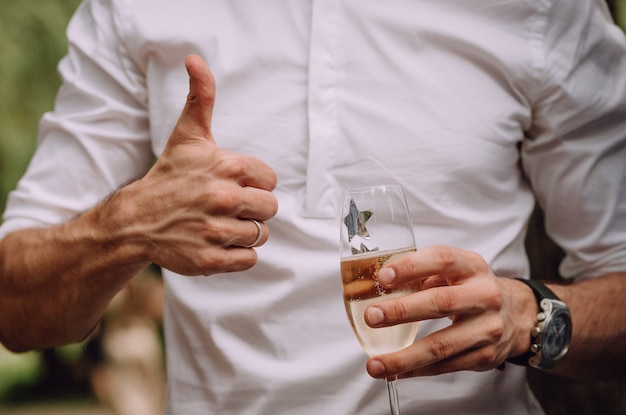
x: 193, y: 207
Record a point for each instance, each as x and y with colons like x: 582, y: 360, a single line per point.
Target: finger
x: 262, y: 177
x: 244, y: 170
x: 470, y: 346
x: 207, y: 259
x: 259, y: 234
x: 195, y: 120
x: 230, y: 260
x: 227, y: 199
x: 258, y: 204
x: 472, y: 298
x: 452, y: 264
x: 252, y: 172
x: 469, y: 360
x: 229, y: 232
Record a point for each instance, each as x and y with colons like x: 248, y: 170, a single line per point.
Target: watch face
x: 556, y: 336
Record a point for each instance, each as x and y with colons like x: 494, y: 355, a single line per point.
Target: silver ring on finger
x: 259, y: 235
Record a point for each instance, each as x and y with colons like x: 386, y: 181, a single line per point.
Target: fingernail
x: 374, y: 316
x: 386, y: 275
x: 376, y: 368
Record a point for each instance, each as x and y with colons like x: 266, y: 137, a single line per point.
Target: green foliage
x: 620, y: 14
x: 17, y: 369
x: 32, y: 40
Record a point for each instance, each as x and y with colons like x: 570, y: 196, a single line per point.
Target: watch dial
x: 557, y: 336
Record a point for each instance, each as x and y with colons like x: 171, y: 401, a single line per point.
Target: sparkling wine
x: 360, y: 289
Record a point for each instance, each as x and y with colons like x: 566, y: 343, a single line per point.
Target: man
x: 477, y: 108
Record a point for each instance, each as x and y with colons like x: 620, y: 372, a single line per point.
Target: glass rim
x: 382, y: 186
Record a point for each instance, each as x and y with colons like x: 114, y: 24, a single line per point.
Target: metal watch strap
x: 540, y: 291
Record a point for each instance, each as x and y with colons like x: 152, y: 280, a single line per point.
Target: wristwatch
x: 551, y: 336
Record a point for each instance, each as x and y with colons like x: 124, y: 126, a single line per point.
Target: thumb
x: 195, y: 120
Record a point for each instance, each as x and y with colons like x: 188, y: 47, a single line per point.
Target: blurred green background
x: 32, y: 40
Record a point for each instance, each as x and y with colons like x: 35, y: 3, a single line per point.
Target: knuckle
x: 221, y: 199
x: 211, y: 262
x: 231, y: 165
x: 273, y: 180
x: 396, y: 364
x: 444, y: 301
x: 207, y: 263
x: 496, y: 297
x: 476, y: 264
x: 476, y: 260
x: 486, y: 357
x: 274, y: 207
x: 444, y: 256
x: 214, y: 231
x: 266, y: 205
x: 397, y: 311
x: 266, y: 234
x: 496, y: 331
x: 242, y: 263
x: 440, y: 349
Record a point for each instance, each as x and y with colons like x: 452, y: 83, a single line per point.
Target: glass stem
x: 392, y: 389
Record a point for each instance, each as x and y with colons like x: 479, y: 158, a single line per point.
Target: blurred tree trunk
x: 612, y: 7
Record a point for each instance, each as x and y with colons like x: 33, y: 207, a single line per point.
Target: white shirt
x: 475, y: 107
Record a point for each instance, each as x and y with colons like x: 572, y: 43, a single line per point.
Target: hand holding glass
x: 376, y: 228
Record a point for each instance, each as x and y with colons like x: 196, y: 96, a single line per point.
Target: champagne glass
x: 376, y: 228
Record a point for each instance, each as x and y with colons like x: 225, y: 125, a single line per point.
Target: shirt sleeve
x: 575, y: 152
x: 97, y: 137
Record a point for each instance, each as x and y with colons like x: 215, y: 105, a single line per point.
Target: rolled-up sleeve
x: 97, y: 138
x: 575, y: 152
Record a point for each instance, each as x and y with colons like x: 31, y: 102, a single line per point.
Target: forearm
x: 599, y: 328
x: 57, y: 281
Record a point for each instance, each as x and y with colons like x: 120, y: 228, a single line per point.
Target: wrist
x: 110, y: 226
x: 525, y: 317
x: 551, y: 334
